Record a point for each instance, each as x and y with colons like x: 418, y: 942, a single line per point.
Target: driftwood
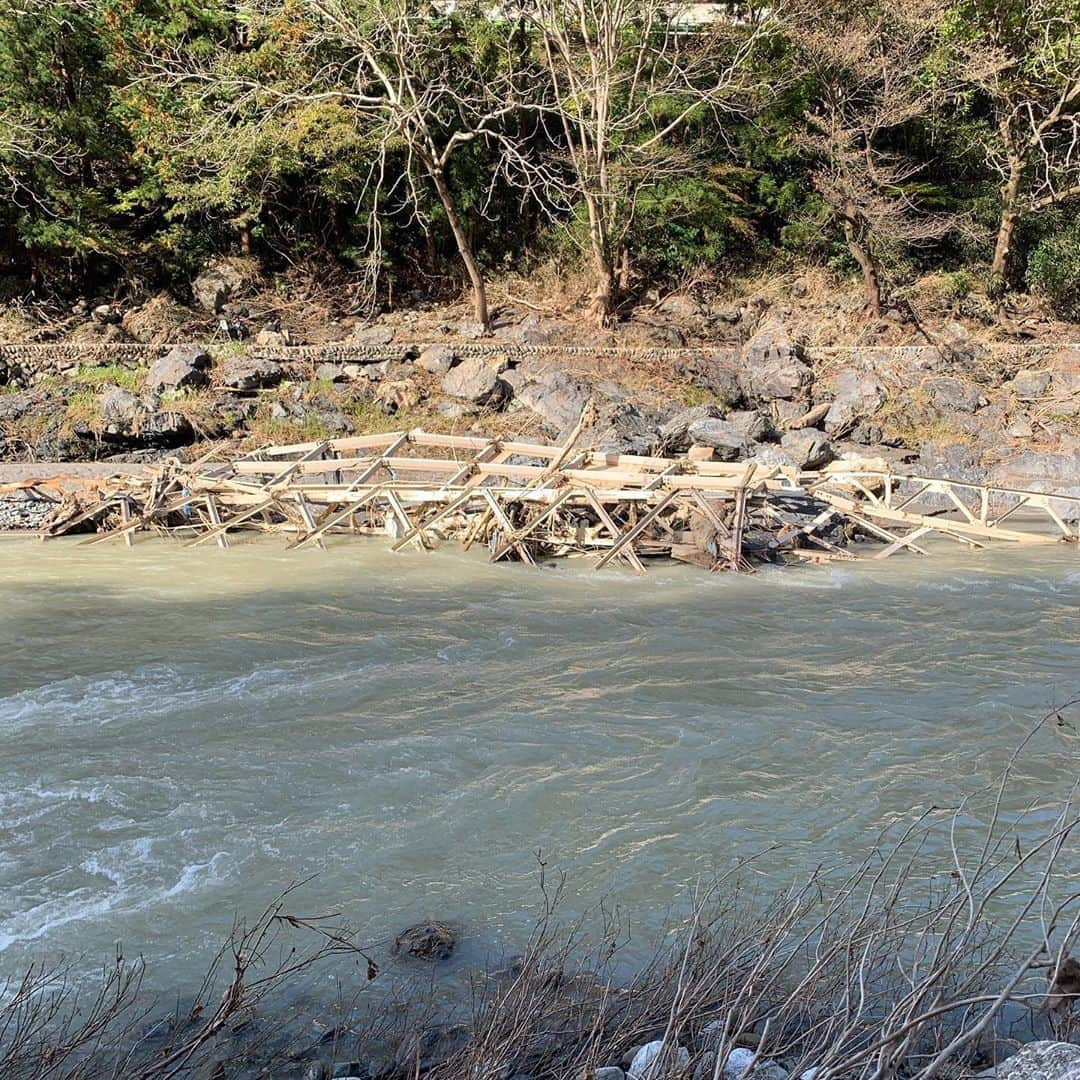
x: 531, y: 501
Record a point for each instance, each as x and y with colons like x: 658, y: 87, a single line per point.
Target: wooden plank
x: 636, y: 530
x: 500, y: 516
x: 522, y: 532
x: 629, y: 553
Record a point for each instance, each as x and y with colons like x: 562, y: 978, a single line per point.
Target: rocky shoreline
x: 1008, y: 414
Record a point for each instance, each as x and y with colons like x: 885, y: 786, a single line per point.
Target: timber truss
x: 530, y: 501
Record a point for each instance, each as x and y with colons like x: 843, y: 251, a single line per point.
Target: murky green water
x: 184, y: 733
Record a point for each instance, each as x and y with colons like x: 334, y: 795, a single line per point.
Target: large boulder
x: 1030, y: 384
x: 857, y: 395
x: 1043, y: 1060
x: 728, y: 444
x: 373, y: 335
x: 752, y: 425
x: 675, y: 431
x: 1035, y: 471
x: 215, y: 286
x: 773, y: 367
x: 622, y: 429
x: 810, y: 448
x: 476, y: 379
x: 181, y: 367
x: 119, y: 407
x: 250, y: 373
x: 438, y: 359
x: 556, y: 397
x: 954, y: 395
x: 165, y: 429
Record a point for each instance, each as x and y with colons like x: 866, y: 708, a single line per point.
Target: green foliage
x: 140, y: 139
x: 111, y: 375
x: 1053, y: 270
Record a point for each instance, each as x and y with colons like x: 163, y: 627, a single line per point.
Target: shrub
x: 1053, y: 270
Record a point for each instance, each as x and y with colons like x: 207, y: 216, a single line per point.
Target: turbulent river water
x: 185, y: 733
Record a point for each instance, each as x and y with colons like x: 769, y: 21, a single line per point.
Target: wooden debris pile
x: 532, y: 501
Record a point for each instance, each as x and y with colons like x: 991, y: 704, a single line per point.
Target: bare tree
x: 866, y: 62
x: 422, y: 83
x: 625, y: 79
x: 1024, y: 55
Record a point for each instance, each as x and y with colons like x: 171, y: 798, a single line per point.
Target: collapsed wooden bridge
x: 531, y: 501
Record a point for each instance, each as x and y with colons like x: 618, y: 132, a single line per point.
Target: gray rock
x: 1037, y: 471
x: 182, y: 366
x: 1030, y: 384
x: 706, y: 1066
x: 1043, y: 1060
x: 250, y: 373
x: 773, y: 366
x: 609, y: 1072
x: 1020, y: 428
x: 809, y: 447
x: 438, y: 359
x: 105, y: 314
x: 119, y: 406
x: 773, y: 457
x: 473, y: 331
x: 373, y: 335
x: 475, y: 379
x: 675, y: 432
x: 165, y: 429
x: 950, y: 394
x: 623, y: 429
x: 958, y: 346
x: 213, y: 288
x: 556, y: 397
x: 752, y: 425
x: 457, y: 410
x: 856, y: 396
x: 742, y: 1062
x: 651, y: 1061
x: 728, y: 443
x: 331, y: 373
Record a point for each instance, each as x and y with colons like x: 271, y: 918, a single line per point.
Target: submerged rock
x: 426, y: 941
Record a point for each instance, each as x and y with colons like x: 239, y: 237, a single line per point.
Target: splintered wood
x: 531, y: 501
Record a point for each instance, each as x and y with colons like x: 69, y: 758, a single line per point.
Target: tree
x: 62, y: 149
x: 867, y: 65
x: 429, y: 83
x: 625, y: 78
x: 1023, y: 58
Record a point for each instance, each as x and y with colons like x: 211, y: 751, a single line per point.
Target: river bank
x: 773, y: 377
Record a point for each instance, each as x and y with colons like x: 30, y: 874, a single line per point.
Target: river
x: 186, y: 732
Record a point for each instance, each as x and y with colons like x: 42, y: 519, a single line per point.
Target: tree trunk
x: 606, y: 293
x: 1010, y: 211
x: 871, y: 279
x: 480, y: 304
